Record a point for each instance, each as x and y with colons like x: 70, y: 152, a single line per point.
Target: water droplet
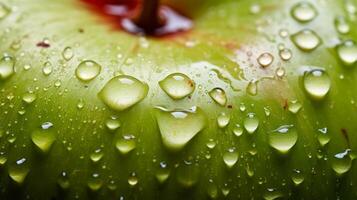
x: 252, y: 88
x: 63, y: 180
x: 230, y: 157
x: 163, y: 173
x: 188, y: 174
x: 95, y: 182
x: 317, y: 83
x: 238, y: 130
x: 44, y: 138
x: 219, y: 96
x: 3, y: 158
x: 211, y: 144
x: 133, y: 180
x: 306, y: 40
x: 272, y: 194
x: 19, y: 171
x: 178, y: 127
x: 4, y: 11
x: 223, y: 120
x: 177, y: 85
x: 285, y: 54
x: 97, y: 155
x: 47, y: 68
x: 303, y: 12
x: 280, y: 72
x: 347, y: 52
x: 283, y: 138
x: 342, y: 25
x: 7, y: 67
x: 126, y: 144
x: 265, y: 59
x: 323, y: 137
x: 67, y: 53
x: 122, y: 92
x: 341, y: 162
x: 212, y: 190
x: 297, y: 177
x: 113, y: 123
x: 294, y: 106
x: 88, y: 70
x: 251, y: 123
x: 29, y: 97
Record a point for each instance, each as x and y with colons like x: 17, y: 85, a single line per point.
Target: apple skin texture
x: 278, y: 125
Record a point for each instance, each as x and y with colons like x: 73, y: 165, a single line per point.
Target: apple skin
x: 213, y: 54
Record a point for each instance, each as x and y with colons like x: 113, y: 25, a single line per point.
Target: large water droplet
x: 342, y: 162
x: 306, y: 40
x: 347, y: 52
x: 19, y: 171
x: 230, y: 157
x: 251, y: 123
x: 219, y: 96
x: 44, y: 138
x: 317, y: 83
x: 323, y: 137
x: 283, y: 138
x: 4, y: 11
x: 88, y: 70
x: 177, y: 85
x: 133, y: 180
x: 126, y: 144
x: 178, y: 127
x: 303, y: 12
x: 7, y: 67
x: 223, y: 120
x: 265, y: 59
x: 122, y: 92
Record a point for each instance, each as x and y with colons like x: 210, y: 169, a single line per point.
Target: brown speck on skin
x: 345, y: 135
x: 43, y: 45
x: 230, y: 106
x: 285, y: 104
x: 81, y: 30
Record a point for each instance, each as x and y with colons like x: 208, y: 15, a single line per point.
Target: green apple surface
x: 257, y: 101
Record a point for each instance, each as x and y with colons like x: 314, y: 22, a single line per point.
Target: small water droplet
x: 306, y: 40
x: 47, y: 68
x: 7, y: 67
x: 88, y: 70
x: 294, y: 106
x: 3, y: 158
x: 230, y: 157
x: 29, y: 97
x: 252, y: 88
x: 347, y: 52
x: 43, y: 138
x: 126, y: 144
x: 63, y: 180
x: 342, y: 25
x: 177, y: 85
x: 265, y: 59
x: 178, y: 127
x: 4, y: 11
x: 187, y: 174
x: 133, y: 180
x: 272, y: 194
x: 219, y: 96
x: 211, y: 144
x: 163, y: 173
x: 95, y: 182
x: 251, y: 123
x: 303, y: 12
x: 317, y: 83
x: 285, y: 54
x: 223, y: 120
x: 283, y: 138
x: 19, y: 171
x: 122, y: 92
x: 67, y: 53
x: 297, y: 177
x: 341, y: 162
x: 238, y: 130
x: 212, y: 190
x: 113, y: 123
x: 323, y: 137
x: 97, y: 155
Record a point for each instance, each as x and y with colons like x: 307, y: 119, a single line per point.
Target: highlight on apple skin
x: 242, y: 99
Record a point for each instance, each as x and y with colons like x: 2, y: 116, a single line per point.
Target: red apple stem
x: 148, y: 18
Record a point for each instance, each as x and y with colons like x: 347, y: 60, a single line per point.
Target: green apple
x: 256, y: 101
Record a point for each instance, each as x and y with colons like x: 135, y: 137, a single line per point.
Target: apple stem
x: 148, y: 18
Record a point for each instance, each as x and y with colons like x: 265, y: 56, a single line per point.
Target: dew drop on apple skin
x: 317, y: 83
x: 322, y: 136
x: 67, y: 53
x: 47, y: 68
x: 97, y: 155
x: 223, y: 120
x: 87, y: 70
x: 272, y: 194
x: 341, y: 162
x: 126, y: 144
x: 294, y: 106
x: 177, y: 85
x: 251, y: 123
x: 95, y: 182
x: 211, y: 144
x: 188, y: 174
x: 303, y: 12
x: 4, y: 11
x: 162, y: 173
x: 252, y: 88
x: 219, y: 96
x: 63, y: 180
x: 112, y: 123
x: 265, y: 59
x: 178, y: 127
x: 29, y: 97
x: 347, y: 52
x: 7, y: 67
x: 18, y: 171
x: 306, y: 40
x: 43, y: 138
x: 133, y: 180
x: 297, y: 177
x: 283, y: 138
x: 123, y: 92
x: 230, y: 157
x: 212, y: 189
x: 342, y: 25
x: 237, y: 130
x: 3, y: 158
x: 285, y: 54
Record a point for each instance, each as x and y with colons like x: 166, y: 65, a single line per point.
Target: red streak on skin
x: 43, y: 45
x: 122, y: 14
